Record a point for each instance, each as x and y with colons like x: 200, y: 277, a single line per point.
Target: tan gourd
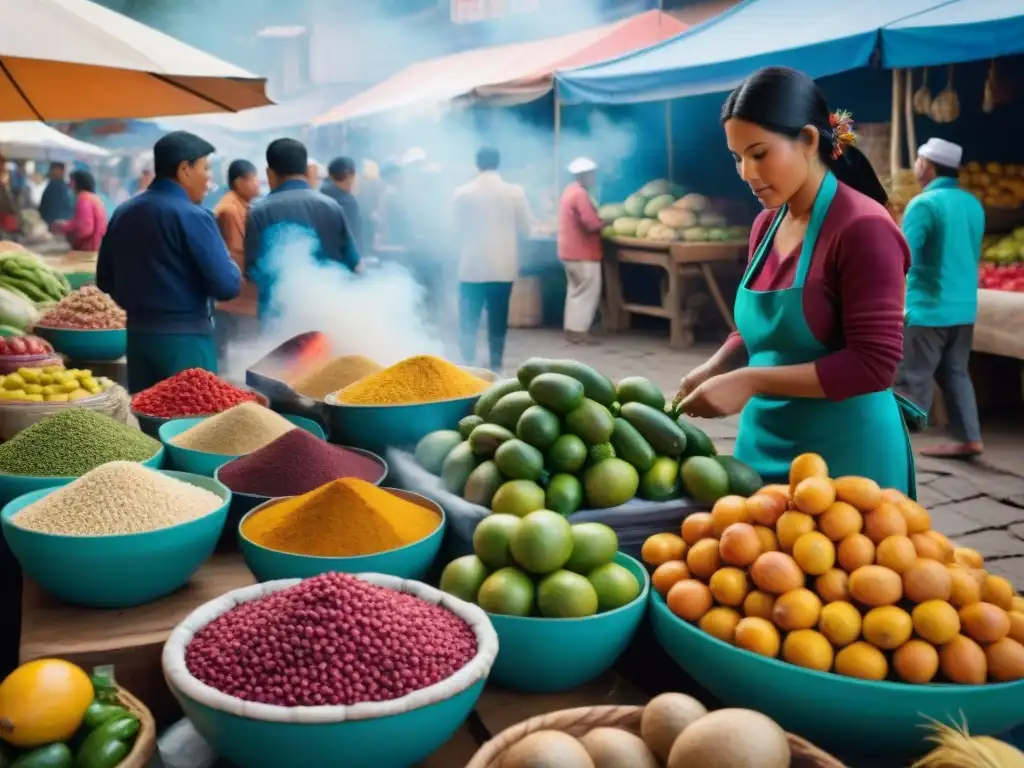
x: 946, y: 105
x: 923, y: 96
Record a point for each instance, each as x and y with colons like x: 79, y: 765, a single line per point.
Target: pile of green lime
x: 540, y: 565
x: 562, y: 436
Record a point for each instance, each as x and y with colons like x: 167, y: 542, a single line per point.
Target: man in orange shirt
x: 236, y: 319
x: 579, y: 248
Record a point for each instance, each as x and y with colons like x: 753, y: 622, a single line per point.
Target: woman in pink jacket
x: 89, y: 224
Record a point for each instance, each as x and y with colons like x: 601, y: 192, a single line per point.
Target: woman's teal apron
x: 863, y: 435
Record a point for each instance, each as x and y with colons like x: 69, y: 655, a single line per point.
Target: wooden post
x: 908, y: 116
x: 668, y: 139
x: 894, y: 139
x: 558, y: 130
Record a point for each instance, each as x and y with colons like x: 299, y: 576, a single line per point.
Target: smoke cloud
x: 379, y: 314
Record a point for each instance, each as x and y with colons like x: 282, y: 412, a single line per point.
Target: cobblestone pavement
x: 979, y: 504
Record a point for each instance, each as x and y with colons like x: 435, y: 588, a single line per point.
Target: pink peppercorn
x: 330, y: 640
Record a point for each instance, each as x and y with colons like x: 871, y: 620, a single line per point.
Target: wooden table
x: 681, y: 262
x: 131, y: 639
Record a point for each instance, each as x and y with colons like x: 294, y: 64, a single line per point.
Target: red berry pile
x: 330, y: 640
x: 194, y: 392
x: 24, y: 346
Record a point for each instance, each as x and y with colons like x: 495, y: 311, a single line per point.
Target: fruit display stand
x: 131, y: 639
x: 683, y: 263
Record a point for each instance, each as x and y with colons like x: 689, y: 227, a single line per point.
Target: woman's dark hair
x: 784, y: 101
x: 83, y: 181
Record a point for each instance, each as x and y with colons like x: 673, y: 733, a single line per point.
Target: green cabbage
x: 16, y: 311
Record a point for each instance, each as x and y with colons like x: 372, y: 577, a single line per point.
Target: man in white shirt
x: 491, y: 216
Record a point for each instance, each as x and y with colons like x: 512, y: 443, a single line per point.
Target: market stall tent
x: 954, y: 32
x: 817, y: 38
x: 76, y: 60
x: 32, y: 140
x: 506, y: 74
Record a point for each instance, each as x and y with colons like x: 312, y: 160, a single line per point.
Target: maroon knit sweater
x: 854, y: 294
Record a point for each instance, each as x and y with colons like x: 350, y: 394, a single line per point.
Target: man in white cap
x: 579, y: 248
x: 944, y: 226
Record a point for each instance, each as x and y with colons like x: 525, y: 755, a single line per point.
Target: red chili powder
x: 296, y: 463
x: 330, y: 640
x: 193, y: 392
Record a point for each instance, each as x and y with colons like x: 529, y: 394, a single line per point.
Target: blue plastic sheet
x: 633, y: 522
x: 955, y: 31
x: 818, y: 38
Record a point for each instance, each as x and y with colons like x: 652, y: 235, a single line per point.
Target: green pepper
x: 104, y: 687
x: 102, y: 754
x: 98, y: 713
x: 107, y: 745
x: 50, y: 756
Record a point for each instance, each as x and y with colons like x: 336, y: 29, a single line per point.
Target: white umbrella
x: 71, y: 60
x: 38, y: 141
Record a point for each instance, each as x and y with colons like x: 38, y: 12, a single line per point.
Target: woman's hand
x: 691, y: 381
x: 720, y: 396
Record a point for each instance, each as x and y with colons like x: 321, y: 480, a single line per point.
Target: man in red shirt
x: 579, y: 248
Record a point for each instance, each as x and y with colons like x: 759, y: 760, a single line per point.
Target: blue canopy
x: 956, y: 31
x: 819, y: 38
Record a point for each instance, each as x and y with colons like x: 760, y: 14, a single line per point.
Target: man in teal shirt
x: 944, y: 226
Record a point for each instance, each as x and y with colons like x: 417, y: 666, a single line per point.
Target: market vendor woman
x: 819, y: 311
x: 163, y: 259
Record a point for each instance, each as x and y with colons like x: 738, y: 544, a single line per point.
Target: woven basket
x: 577, y: 722
x: 145, y: 742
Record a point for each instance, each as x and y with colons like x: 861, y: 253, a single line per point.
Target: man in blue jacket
x: 292, y: 206
x: 944, y: 226
x: 163, y: 259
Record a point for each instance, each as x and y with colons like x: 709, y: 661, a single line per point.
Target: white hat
x: 942, y: 152
x: 582, y: 165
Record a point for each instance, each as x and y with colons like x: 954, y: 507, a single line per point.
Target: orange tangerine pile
x: 841, y: 575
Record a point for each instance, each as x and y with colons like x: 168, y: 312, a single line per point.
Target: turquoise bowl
x: 243, y: 503
x: 92, y: 346
x: 540, y: 655
x: 118, y: 571
x: 151, y: 424
x: 379, y: 427
x: 202, y: 463
x: 391, y: 734
x: 887, y: 717
x: 412, y: 561
x: 78, y: 279
x: 13, y: 486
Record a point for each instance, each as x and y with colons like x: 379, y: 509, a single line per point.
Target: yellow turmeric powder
x: 345, y: 518
x: 420, y: 379
x: 334, y: 375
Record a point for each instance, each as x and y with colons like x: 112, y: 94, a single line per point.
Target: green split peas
x: 72, y: 442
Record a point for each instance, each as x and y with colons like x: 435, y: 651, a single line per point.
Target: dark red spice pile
x: 192, y: 392
x: 330, y: 640
x: 296, y: 463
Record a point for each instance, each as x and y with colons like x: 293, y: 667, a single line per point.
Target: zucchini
x: 491, y: 396
x: 596, y: 386
x: 658, y: 429
x: 631, y: 446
